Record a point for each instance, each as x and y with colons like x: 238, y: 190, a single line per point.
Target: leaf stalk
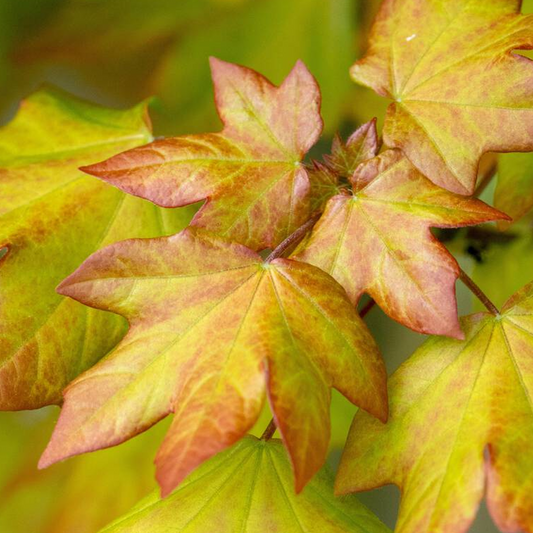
x: 293, y: 238
x: 480, y: 295
x: 269, y: 431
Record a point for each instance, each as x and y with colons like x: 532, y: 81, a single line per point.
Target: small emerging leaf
x: 363, y: 144
x: 251, y: 174
x: 249, y: 489
x: 461, y: 426
x: 209, y: 322
x: 458, y: 89
x: 378, y: 241
x: 331, y: 178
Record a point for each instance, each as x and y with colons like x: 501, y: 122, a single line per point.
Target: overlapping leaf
x: 377, y: 240
x: 257, y: 189
x: 461, y: 425
x: 51, y: 218
x: 255, y: 476
x: 458, y: 90
x: 209, y: 320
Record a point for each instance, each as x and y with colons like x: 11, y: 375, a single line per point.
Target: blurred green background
x: 117, y: 52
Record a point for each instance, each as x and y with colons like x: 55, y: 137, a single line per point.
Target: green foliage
x: 255, y: 478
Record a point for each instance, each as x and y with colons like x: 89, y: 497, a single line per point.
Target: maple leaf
x: 209, y: 322
x: 377, y: 240
x: 51, y: 218
x: 255, y: 476
x: 458, y: 90
x: 251, y: 174
x: 450, y: 402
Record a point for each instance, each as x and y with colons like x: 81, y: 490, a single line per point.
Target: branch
x: 480, y: 295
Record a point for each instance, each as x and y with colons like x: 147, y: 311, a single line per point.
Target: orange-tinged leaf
x: 377, y: 240
x: 255, y: 478
x: 209, y: 323
x: 461, y: 425
x: 52, y: 217
x: 251, y: 174
x: 458, y: 89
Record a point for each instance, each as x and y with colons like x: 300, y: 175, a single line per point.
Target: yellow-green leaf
x: 458, y: 89
x: 249, y: 488
x: 210, y: 323
x: 52, y: 217
x: 461, y: 426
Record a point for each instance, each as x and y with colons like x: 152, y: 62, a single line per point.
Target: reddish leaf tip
x: 215, y: 62
x: 48, y: 458
x: 92, y: 170
x: 381, y: 412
